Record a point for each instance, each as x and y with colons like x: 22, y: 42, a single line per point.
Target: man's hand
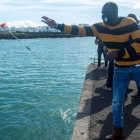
x: 104, y: 48
x: 112, y: 56
x: 96, y: 42
x: 49, y: 22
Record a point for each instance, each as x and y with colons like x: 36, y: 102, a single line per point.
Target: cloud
x: 90, y: 2
x: 43, y: 7
x: 137, y: 6
x: 12, y: 5
x: 24, y: 23
x: 4, y: 1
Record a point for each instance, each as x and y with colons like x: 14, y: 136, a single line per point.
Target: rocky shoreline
x: 35, y: 35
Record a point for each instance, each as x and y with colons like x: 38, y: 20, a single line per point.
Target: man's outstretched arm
x: 71, y: 29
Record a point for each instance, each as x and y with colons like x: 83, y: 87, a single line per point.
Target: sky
x: 23, y: 13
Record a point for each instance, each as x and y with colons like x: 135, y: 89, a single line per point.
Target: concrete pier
x: 94, y: 116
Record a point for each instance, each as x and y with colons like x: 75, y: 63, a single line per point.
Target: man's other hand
x: 112, y: 56
x: 96, y: 42
x: 49, y: 22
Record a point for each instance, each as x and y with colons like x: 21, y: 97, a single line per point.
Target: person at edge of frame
x: 100, y: 50
x: 109, y: 82
x: 137, y: 95
x: 114, y: 31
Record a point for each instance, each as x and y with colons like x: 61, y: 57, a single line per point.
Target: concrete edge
x: 82, y: 123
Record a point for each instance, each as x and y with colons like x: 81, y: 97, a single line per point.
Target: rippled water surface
x: 39, y: 102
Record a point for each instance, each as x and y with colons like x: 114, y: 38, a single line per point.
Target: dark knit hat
x: 134, y: 17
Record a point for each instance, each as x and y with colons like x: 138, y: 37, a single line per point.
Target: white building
x: 44, y: 29
x: 18, y: 30
x: 48, y: 29
x: 24, y: 29
x: 30, y: 29
x: 12, y: 29
x: 82, y: 24
x: 4, y: 30
x: 37, y: 30
x: 54, y: 30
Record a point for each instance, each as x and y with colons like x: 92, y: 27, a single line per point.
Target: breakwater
x: 94, y: 117
x: 34, y: 35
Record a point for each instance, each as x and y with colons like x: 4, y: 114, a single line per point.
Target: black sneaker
x: 107, y: 88
x: 105, y: 68
x: 98, y: 68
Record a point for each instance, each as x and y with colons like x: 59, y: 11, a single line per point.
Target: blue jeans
x: 121, y: 79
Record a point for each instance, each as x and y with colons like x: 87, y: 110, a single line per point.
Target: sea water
x: 39, y: 102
